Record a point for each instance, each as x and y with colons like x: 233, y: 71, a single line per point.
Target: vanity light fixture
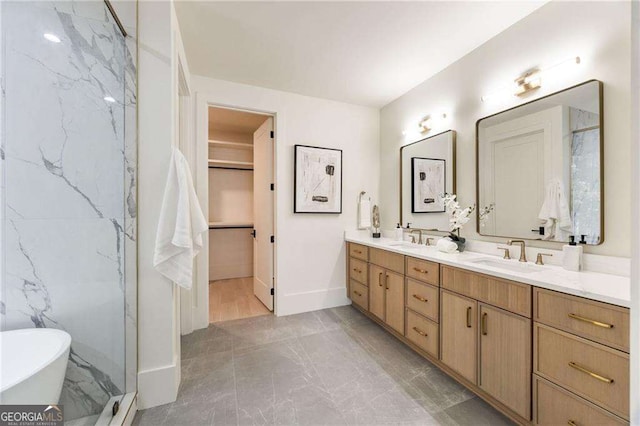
x: 532, y: 80
x: 52, y: 37
x: 429, y: 121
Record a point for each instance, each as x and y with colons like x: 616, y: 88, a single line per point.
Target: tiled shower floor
x: 330, y: 367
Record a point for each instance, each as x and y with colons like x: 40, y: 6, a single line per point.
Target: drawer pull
x: 469, y: 317
x: 590, y: 321
x: 357, y: 251
x: 572, y: 423
x: 420, y: 298
x: 420, y: 332
x: 484, y: 324
x: 357, y: 270
x: 422, y: 271
x: 591, y: 373
x: 357, y: 293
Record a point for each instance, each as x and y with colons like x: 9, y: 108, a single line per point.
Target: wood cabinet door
x: 458, y: 334
x: 376, y: 290
x: 394, y: 287
x: 505, y: 358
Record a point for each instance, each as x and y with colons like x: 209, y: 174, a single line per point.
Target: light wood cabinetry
x: 593, y: 371
x: 423, y: 333
x: 423, y: 299
x: 597, y: 321
x: 376, y: 291
x: 509, y: 295
x: 538, y: 356
x: 459, y: 334
x: 555, y: 406
x: 505, y: 358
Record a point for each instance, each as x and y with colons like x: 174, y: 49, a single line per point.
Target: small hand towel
x: 555, y: 214
x: 445, y: 245
x: 182, y: 223
x: 364, y: 214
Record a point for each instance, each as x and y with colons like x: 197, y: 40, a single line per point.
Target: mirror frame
x: 601, y: 124
x: 453, y: 164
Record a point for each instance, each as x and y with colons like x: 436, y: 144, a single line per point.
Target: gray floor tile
x: 475, y: 412
x: 330, y: 367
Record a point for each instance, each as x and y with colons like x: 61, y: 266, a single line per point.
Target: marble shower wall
x: 69, y: 190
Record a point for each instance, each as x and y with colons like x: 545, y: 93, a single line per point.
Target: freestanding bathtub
x: 33, y: 363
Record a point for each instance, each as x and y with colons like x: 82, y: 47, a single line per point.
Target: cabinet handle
x: 420, y: 298
x: 380, y: 279
x: 420, y: 332
x: 386, y: 281
x: 484, y: 324
x: 423, y: 271
x: 572, y: 423
x: 357, y: 270
x: 590, y: 321
x: 468, y: 316
x: 357, y: 293
x: 590, y: 373
x: 357, y: 251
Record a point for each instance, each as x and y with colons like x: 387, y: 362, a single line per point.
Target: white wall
x: 597, y: 31
x: 310, y: 249
x: 158, y: 298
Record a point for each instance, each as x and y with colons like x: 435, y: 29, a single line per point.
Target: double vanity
x: 541, y: 344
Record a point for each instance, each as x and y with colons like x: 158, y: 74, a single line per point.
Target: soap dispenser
x: 399, y: 233
x: 572, y: 255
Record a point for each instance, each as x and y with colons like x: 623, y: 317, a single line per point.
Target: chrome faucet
x: 413, y: 238
x: 523, y: 253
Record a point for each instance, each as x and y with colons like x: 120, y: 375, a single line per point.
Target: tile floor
x: 330, y: 367
x: 234, y: 299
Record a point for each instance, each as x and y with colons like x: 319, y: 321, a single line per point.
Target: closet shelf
x: 226, y: 164
x: 232, y: 145
x: 230, y: 225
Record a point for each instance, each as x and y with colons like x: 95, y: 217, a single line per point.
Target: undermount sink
x: 513, y: 265
x: 405, y: 245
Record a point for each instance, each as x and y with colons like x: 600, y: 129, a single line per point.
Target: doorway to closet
x: 241, y: 214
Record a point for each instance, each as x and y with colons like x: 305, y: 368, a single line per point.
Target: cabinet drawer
x: 423, y: 333
x: 358, y: 251
x: 606, y: 324
x: 359, y: 294
x: 388, y: 260
x: 509, y: 295
x: 423, y: 270
x: 555, y: 406
x: 595, y: 372
x: 423, y: 299
x: 358, y: 270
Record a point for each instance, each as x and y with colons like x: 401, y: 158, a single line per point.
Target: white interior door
x: 518, y: 175
x: 263, y: 213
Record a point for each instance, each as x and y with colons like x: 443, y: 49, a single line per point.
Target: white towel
x: 364, y: 214
x: 445, y: 245
x: 554, y: 213
x: 182, y: 223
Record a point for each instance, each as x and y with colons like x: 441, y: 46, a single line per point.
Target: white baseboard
x: 158, y: 386
x: 297, y: 303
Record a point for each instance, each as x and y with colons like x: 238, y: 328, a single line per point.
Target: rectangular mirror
x: 539, y: 168
x: 427, y: 171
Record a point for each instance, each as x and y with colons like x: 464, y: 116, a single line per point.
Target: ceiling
x: 366, y: 53
x: 231, y: 120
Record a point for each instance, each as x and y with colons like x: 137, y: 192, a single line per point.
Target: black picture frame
x: 296, y: 207
x: 413, y: 183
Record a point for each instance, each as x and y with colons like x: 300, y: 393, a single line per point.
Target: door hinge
x: 272, y: 134
x: 272, y: 186
x: 272, y: 291
x: 273, y: 239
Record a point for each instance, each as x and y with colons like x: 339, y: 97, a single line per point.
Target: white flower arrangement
x: 458, y: 216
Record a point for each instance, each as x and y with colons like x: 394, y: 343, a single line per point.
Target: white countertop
x: 606, y: 288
